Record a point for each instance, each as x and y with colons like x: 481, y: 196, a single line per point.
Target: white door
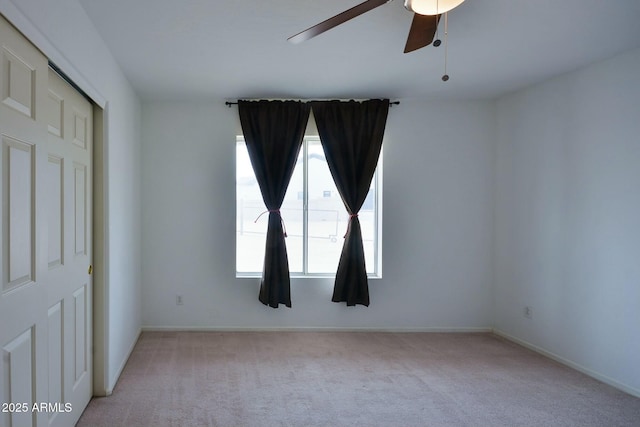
x: 45, y: 290
x: 68, y: 214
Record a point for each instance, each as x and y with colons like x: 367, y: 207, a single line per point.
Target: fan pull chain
x: 445, y: 77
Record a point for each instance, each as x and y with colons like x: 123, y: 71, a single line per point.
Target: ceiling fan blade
x: 423, y: 29
x: 341, y: 18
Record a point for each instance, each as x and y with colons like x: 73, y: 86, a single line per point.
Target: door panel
x: 18, y: 83
x: 46, y: 288
x: 80, y: 208
x: 56, y: 354
x: 20, y: 374
x: 69, y: 151
x: 23, y: 299
x: 19, y: 175
x: 80, y: 326
x: 55, y: 214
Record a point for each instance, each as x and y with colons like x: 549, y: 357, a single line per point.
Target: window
x: 314, y: 216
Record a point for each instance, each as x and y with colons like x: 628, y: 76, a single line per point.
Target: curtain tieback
x: 351, y: 216
x: 284, y: 229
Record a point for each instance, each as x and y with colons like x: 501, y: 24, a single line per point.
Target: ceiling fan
x: 423, y: 28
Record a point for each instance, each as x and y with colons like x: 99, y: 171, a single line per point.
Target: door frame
x: 100, y: 350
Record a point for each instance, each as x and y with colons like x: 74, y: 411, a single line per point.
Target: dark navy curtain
x: 273, y: 132
x: 351, y: 135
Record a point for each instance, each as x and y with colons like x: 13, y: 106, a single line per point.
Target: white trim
x: 449, y: 330
x: 106, y: 113
x: 594, y: 374
x: 116, y: 377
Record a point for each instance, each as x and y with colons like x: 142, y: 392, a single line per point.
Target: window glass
x: 315, y: 236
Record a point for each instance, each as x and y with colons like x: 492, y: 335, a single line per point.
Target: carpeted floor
x: 367, y: 379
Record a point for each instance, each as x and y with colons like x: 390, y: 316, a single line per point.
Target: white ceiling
x: 187, y: 49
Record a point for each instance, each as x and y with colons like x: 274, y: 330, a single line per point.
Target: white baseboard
x: 114, y: 380
x: 314, y: 329
x: 598, y: 376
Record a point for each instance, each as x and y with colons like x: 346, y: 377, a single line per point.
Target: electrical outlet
x: 179, y: 300
x: 528, y: 312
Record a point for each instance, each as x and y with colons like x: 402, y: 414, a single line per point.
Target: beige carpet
x: 367, y: 379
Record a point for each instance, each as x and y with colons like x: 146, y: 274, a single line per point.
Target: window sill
x: 301, y: 276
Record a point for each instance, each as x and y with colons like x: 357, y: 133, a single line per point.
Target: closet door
x: 68, y: 215
x: 45, y: 285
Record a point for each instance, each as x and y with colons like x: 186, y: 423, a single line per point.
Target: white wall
x: 438, y: 206
x: 568, y: 218
x: 62, y: 30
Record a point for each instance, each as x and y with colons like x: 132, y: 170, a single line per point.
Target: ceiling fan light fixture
x: 431, y: 7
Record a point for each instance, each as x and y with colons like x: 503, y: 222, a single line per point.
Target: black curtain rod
x: 229, y: 104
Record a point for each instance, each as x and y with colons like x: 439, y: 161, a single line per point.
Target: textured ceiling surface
x: 198, y: 49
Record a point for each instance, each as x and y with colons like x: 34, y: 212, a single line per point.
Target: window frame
x: 377, y: 239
